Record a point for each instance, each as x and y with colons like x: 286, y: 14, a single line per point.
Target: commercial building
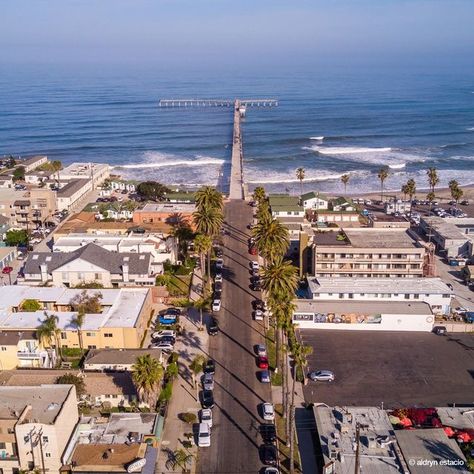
x: 160, y: 246
x: 87, y: 264
x: 121, y: 322
x: 97, y: 173
x: 364, y: 252
x: 363, y: 316
x: 313, y: 200
x: 427, y: 290
x: 117, y: 360
x: 125, y: 443
x: 283, y: 205
x: 336, y: 217
x: 447, y: 236
x: 164, y: 212
x: 36, y: 424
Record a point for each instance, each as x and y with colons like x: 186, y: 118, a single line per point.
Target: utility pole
x: 357, y: 456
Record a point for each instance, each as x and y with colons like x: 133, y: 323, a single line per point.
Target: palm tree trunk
x: 59, y: 353
x: 81, y: 344
x: 277, y: 347
x: 292, y: 424
x: 200, y: 316
x: 381, y: 191
x: 209, y: 266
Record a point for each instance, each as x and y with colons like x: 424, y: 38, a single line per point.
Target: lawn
x: 283, y: 449
x: 271, y: 351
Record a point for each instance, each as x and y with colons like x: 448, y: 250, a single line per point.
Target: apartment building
x: 22, y: 349
x: 164, y: 212
x: 121, y: 322
x: 70, y: 193
x: 97, y: 173
x: 36, y: 424
x: 314, y: 200
x: 90, y: 263
x: 283, y: 205
x: 363, y: 252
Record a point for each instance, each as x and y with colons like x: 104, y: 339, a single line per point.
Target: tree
x: 152, y: 190
x: 202, y: 304
x: 258, y: 194
x: 182, y: 232
x: 172, y: 371
x: 456, y: 192
x: 147, y: 373
x: 279, y: 277
x: 411, y: 188
x: 72, y: 379
x: 203, y: 246
x: 78, y: 321
x: 48, y: 332
x: 382, y: 175
x: 272, y: 238
x: 300, y: 174
x: 345, y: 179
x: 31, y: 305
x: 56, y: 166
x: 16, y: 237
x: 11, y: 162
x: 433, y: 178
x: 209, y: 197
x: 179, y: 458
x: 208, y: 220
x: 87, y: 302
x: 196, y: 367
x: 19, y: 174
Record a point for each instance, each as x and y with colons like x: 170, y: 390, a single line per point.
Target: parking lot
x: 394, y: 368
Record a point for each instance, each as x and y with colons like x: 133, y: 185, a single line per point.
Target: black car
x: 219, y: 253
x: 213, y: 327
x: 209, y: 367
x: 172, y: 312
x: 258, y: 304
x: 169, y: 339
x: 207, y: 399
x: 255, y: 286
x: 268, y: 433
x: 218, y: 287
x: 268, y: 454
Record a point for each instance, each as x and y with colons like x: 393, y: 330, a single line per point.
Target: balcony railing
x: 28, y: 355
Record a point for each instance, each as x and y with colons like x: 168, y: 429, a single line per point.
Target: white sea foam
x: 397, y: 166
x: 348, y: 150
x: 470, y: 129
x: 166, y: 162
x: 317, y: 138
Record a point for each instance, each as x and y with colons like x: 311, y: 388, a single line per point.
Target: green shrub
x: 30, y: 305
x: 189, y: 418
x: 166, y: 393
x: 172, y: 371
x: 173, y: 358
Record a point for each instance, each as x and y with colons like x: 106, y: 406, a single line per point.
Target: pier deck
x: 236, y: 174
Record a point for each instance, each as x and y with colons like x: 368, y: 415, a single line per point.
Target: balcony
x: 29, y: 355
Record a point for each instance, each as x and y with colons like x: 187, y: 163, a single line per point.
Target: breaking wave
x: 162, y: 160
x: 347, y: 150
x: 317, y: 138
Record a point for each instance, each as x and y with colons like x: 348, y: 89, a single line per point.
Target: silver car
x: 322, y: 376
x: 208, y: 382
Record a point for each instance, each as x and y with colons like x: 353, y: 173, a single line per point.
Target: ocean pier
x: 237, y: 186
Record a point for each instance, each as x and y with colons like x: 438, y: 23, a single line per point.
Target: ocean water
x: 329, y: 122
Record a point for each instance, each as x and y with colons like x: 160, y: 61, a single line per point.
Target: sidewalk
x: 184, y: 399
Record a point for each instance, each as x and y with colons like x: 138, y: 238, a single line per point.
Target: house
x: 181, y: 197
x: 7, y: 257
x: 342, y: 204
x: 364, y: 252
x: 96, y: 173
x: 117, y: 360
x: 121, y: 322
x: 22, y: 349
x: 72, y: 192
x: 427, y: 290
x: 6, y: 181
x: 32, y: 162
x: 363, y: 315
x: 313, y: 200
x: 36, y: 422
x: 165, y: 212
x: 121, y: 185
x: 114, y: 444
x: 336, y: 217
x: 283, y: 205
x: 90, y: 263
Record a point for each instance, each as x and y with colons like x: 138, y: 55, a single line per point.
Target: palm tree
x: 202, y: 304
x: 279, y: 277
x: 209, y: 197
x: 208, y: 220
x: 56, y: 166
x: 263, y: 212
x: 411, y: 188
x: 345, y: 179
x: 382, y: 175
x: 203, y: 246
x: 196, y: 367
x: 433, y: 178
x: 272, y: 238
x: 300, y: 174
x: 147, y: 373
x: 48, y: 332
x: 258, y: 194
x: 179, y: 458
x: 78, y: 321
x: 404, y: 190
x: 456, y: 192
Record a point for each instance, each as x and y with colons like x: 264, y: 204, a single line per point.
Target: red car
x: 262, y: 362
x: 253, y: 250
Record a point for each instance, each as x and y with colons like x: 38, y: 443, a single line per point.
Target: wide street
x: 235, y: 438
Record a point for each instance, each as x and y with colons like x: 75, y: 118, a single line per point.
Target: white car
x: 258, y: 315
x: 206, y: 416
x: 268, y: 412
x: 163, y: 333
x: 254, y: 265
x: 216, y: 305
x: 219, y: 263
x: 204, y: 435
x: 165, y: 346
x: 218, y: 278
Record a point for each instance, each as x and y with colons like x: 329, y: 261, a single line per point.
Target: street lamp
x: 8, y: 271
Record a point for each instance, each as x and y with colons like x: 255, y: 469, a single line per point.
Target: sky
x: 225, y: 31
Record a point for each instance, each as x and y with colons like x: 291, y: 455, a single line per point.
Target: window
x: 407, y: 296
x: 92, y: 346
x: 341, y: 295
x: 351, y: 296
x: 45, y: 439
x: 90, y: 334
x: 417, y: 297
x: 3, y: 445
x: 108, y: 334
x: 4, y: 348
x: 115, y: 396
x: 63, y: 335
x: 48, y: 455
x: 97, y: 276
x: 446, y: 296
x: 80, y: 276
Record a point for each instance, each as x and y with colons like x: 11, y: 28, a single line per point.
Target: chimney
x: 44, y: 272
x: 125, y: 272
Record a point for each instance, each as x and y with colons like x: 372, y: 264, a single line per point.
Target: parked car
x: 213, y: 327
x: 465, y: 202
x: 469, y: 317
x: 204, y: 435
x: 264, y: 376
x: 321, y: 376
x: 209, y: 367
x: 258, y: 315
x: 255, y: 286
x: 205, y: 416
x: 271, y: 470
x: 219, y: 252
x: 165, y: 346
x: 218, y: 278
x: 268, y: 432
x: 208, y: 382
x: 440, y: 330
x: 219, y: 264
x: 217, y: 287
x: 268, y: 454
x: 261, y: 350
x: 216, y: 305
x: 164, y: 333
x: 268, y: 411
x: 258, y: 304
x: 207, y: 399
x: 262, y: 362
x: 254, y: 265
x: 168, y: 319
x: 253, y: 250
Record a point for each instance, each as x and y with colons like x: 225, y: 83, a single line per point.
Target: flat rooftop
x: 43, y: 403
x: 84, y: 170
x: 444, y: 228
x: 461, y: 418
x: 337, y: 429
x: 118, y: 356
x: 72, y: 187
x: 366, y: 307
x: 430, y: 444
x: 378, y: 285
x: 379, y: 238
x: 167, y: 207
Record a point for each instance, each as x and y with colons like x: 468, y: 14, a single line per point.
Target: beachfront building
x: 88, y: 264
x: 118, y: 360
x: 397, y: 206
x: 314, y: 200
x: 363, y: 315
x: 342, y: 204
x: 427, y: 290
x: 283, y: 205
x: 122, y: 185
x: 71, y: 192
x: 36, y: 423
x: 32, y: 162
x: 121, y: 322
x: 361, y: 252
x: 165, y: 212
x: 96, y: 173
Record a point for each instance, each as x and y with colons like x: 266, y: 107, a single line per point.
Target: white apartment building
x: 427, y: 290
x: 72, y: 192
x: 36, y: 424
x: 97, y: 173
